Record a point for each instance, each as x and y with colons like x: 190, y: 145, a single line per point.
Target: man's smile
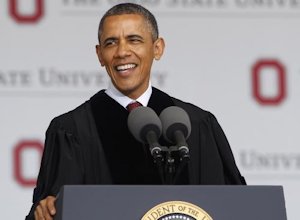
x: 125, y: 67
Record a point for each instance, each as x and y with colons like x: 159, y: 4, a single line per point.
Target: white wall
x: 49, y: 66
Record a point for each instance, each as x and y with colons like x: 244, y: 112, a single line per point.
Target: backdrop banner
x: 238, y: 59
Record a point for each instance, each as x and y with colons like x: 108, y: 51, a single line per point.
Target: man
x: 92, y: 144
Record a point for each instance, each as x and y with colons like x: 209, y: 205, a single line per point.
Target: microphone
x: 146, y: 127
x: 176, y: 126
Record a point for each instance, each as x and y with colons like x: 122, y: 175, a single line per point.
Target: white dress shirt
x: 123, y: 100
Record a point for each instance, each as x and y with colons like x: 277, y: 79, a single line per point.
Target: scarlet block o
x: 21, y: 18
x: 18, y: 163
x: 256, y: 82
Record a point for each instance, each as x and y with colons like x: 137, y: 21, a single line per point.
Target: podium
x: 112, y: 202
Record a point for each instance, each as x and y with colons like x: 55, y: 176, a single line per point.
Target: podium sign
x: 91, y: 202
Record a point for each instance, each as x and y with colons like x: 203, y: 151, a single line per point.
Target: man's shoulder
x: 81, y: 111
x: 68, y: 121
x: 196, y: 113
x: 193, y: 111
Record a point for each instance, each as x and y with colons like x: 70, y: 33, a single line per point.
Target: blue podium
x: 112, y: 202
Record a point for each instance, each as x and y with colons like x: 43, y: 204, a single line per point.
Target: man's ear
x: 159, y: 47
x: 99, y: 54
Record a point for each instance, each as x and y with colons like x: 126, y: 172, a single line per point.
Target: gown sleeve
x: 231, y: 172
x: 61, y: 163
x: 212, y: 161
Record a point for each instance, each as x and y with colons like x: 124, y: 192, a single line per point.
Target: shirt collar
x: 123, y: 100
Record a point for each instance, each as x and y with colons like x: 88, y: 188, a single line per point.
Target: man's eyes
x: 135, y: 40
x: 110, y: 42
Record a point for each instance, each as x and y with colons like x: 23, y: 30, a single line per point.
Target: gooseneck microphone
x: 146, y: 127
x: 176, y: 126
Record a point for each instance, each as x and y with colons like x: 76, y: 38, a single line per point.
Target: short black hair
x: 131, y: 8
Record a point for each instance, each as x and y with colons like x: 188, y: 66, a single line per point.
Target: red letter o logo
x: 33, y: 18
x: 257, y: 85
x: 18, y: 163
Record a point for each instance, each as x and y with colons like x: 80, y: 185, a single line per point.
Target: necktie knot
x: 133, y: 105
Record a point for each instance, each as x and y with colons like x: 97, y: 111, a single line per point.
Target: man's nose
x: 123, y: 50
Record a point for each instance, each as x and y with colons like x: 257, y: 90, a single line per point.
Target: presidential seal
x: 176, y: 210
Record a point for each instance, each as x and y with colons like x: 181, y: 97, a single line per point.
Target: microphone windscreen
x: 141, y: 120
x: 173, y: 119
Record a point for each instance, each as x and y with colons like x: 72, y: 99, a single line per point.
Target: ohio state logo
x: 257, y: 82
x: 18, y: 158
x: 19, y: 17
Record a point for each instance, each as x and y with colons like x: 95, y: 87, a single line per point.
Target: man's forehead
x: 123, y: 18
x: 128, y: 23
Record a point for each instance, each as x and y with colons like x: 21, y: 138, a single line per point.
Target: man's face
x: 127, y: 51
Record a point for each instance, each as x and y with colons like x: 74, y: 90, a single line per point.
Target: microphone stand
x: 183, y: 162
x: 156, y: 152
x: 169, y: 174
x: 170, y: 168
x: 163, y: 154
x: 158, y: 160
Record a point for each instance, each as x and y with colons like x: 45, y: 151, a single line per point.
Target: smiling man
x: 127, y: 48
x: 92, y: 144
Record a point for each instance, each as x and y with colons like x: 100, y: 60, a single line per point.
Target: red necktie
x: 133, y: 105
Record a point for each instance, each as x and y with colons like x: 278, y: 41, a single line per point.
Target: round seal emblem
x: 176, y: 210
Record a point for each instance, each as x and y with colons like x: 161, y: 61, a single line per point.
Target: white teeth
x: 125, y: 67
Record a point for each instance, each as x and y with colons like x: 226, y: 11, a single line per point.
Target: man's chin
x: 130, y: 92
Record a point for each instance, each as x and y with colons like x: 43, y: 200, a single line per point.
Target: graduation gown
x: 92, y: 145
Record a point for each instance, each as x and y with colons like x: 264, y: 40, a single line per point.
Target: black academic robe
x: 92, y: 145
